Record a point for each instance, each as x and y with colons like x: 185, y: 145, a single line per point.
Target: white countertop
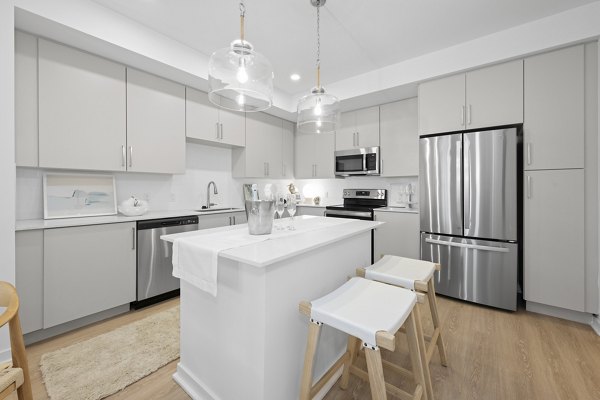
x: 311, y: 233
x: 398, y: 210
x: 32, y: 224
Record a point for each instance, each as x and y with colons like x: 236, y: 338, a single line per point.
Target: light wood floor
x: 492, y: 354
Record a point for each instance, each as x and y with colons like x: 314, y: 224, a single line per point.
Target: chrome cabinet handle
x: 221, y: 125
x: 357, y: 139
x: 131, y: 156
x: 229, y: 220
x: 381, y: 161
x: 268, y: 169
x: 283, y: 170
x: 217, y: 129
x: 528, y: 153
x: 123, y: 155
x: 528, y: 186
x: 133, y: 241
x: 469, y: 115
x: 462, y: 116
x: 234, y: 220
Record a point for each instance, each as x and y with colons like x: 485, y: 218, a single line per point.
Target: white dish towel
x: 195, y: 258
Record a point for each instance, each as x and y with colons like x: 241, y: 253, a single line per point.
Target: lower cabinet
x: 554, y: 230
x: 87, y: 269
x: 314, y: 155
x: 29, y: 280
x: 221, y: 219
x: 310, y: 210
x: 399, y: 235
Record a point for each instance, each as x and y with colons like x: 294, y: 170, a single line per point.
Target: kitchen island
x: 248, y: 341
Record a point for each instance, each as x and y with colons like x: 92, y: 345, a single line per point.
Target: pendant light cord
x: 242, y: 15
x: 318, y: 47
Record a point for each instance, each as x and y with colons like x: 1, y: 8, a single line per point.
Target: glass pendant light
x: 239, y: 78
x: 318, y: 112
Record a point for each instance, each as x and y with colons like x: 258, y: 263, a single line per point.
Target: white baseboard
x: 596, y: 324
x: 576, y: 316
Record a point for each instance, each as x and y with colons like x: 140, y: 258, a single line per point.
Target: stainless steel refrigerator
x: 469, y: 217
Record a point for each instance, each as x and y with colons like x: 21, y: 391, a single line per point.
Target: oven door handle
x: 358, y: 214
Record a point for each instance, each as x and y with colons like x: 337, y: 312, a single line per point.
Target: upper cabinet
x: 95, y: 114
x: 82, y: 110
x: 208, y: 123
x: 266, y: 147
x: 486, y: 97
x: 155, y: 124
x: 26, y: 100
x: 287, y: 149
x: 359, y: 128
x: 554, y: 110
x: 314, y: 155
x: 399, y: 138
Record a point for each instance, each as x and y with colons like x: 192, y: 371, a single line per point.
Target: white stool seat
x: 362, y: 307
x: 400, y: 271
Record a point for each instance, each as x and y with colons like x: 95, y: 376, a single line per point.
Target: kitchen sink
x: 219, y: 209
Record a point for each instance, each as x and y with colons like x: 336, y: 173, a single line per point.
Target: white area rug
x: 98, y: 367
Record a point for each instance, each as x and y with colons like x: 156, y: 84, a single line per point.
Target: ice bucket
x: 260, y: 216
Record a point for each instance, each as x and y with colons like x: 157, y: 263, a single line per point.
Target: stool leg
x: 375, y: 369
x: 309, y: 357
x: 415, y: 353
x: 353, y: 344
x: 436, y: 321
x: 423, y: 352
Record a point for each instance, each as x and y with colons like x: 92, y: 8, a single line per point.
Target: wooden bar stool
x: 371, y: 312
x: 415, y: 275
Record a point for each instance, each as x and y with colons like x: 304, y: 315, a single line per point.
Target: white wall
x: 7, y: 154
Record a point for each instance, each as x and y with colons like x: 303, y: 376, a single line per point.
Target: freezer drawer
x: 483, y: 272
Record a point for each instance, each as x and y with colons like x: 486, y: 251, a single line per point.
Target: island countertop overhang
x: 313, y: 232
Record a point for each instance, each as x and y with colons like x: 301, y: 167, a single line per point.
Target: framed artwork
x: 79, y: 195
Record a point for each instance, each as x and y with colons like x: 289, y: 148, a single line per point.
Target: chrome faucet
x: 208, y: 203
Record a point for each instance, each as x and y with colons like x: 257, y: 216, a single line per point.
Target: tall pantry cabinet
x: 560, y: 179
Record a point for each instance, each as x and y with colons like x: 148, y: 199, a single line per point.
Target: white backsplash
x: 188, y: 191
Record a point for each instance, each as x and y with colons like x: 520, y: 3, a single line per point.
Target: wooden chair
x: 383, y: 310
x: 415, y: 275
x: 15, y: 377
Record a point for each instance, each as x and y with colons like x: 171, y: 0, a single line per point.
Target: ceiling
x: 356, y: 36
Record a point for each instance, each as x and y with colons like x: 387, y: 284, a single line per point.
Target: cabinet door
x: 304, y: 155
x: 88, y: 269
x: 495, y: 95
x: 155, y: 124
x: 553, y: 242
x: 214, y: 220
x: 201, y: 116
x: 288, y: 150
x: 233, y: 127
x: 399, y: 236
x: 367, y: 127
x: 263, y: 146
x: 30, y: 278
x: 26, y: 100
x: 324, y: 155
x: 442, y: 105
x: 399, y: 139
x: 81, y: 110
x: 239, y: 218
x: 345, y: 136
x: 554, y: 110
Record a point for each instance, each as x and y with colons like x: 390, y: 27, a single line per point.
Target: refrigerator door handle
x: 468, y: 246
x: 459, y: 174
x: 467, y: 182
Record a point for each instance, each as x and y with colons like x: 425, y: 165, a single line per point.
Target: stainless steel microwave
x: 363, y: 161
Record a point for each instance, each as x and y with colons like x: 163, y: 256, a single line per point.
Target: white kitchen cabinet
x: 359, y: 128
x: 399, y: 138
x: 207, y: 221
x: 88, y: 269
x: 486, y: 97
x: 29, y: 279
x: 155, y: 124
x: 26, y: 100
x: 399, y: 235
x: 210, y: 124
x: 314, y: 155
x: 554, y: 267
x: 262, y: 157
x: 287, y: 150
x: 310, y: 210
x: 554, y: 110
x: 82, y: 110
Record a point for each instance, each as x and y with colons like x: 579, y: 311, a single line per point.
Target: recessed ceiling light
x: 295, y: 77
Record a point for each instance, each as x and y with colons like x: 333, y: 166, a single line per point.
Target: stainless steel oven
x: 363, y: 161
x: 359, y: 204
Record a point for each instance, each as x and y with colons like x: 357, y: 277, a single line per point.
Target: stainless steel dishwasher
x: 155, y: 281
